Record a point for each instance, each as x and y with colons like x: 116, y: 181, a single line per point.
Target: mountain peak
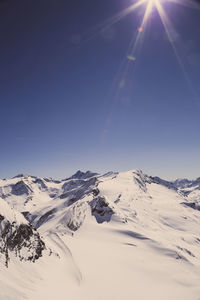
x: 82, y: 175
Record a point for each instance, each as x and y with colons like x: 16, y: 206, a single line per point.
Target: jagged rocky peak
x: 110, y: 173
x: 21, y: 188
x: 168, y: 184
x: 50, y: 179
x: 195, y: 183
x: 15, y: 188
x: 24, y: 176
x: 40, y: 183
x: 83, y: 175
x: 186, y: 183
x: 20, y: 175
x: 140, y: 174
x: 17, y: 236
x: 182, y: 183
x: 142, y: 179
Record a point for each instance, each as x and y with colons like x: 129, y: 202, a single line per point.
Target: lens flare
x: 140, y: 29
x: 131, y: 58
x: 159, y: 6
x: 138, y: 37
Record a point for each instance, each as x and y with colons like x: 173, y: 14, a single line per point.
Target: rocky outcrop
x: 22, y: 240
x: 101, y: 210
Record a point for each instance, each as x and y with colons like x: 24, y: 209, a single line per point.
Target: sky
x: 71, y: 99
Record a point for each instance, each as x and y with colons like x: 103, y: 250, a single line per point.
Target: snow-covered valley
x: 97, y: 237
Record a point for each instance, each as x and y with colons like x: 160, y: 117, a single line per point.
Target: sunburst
x: 150, y: 6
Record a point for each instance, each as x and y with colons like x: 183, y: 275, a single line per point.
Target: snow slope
x: 113, y: 236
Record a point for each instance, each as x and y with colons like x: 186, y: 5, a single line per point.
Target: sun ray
x: 112, y: 20
x: 168, y: 29
x: 122, y: 14
x: 135, y: 42
x: 187, y: 3
x: 143, y: 24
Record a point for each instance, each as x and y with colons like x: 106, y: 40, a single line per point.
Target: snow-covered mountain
x: 95, y: 236
x: 17, y: 237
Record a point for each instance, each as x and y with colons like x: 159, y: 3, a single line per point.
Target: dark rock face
x: 52, y: 180
x: 185, y: 193
x: 82, y: 175
x: 23, y: 240
x: 168, y: 184
x: 72, y: 184
x: 20, y: 188
x: 41, y: 184
x: 80, y: 188
x: 141, y: 184
x: 185, y: 183
x: 101, y: 210
x: 44, y: 218
x: 73, y: 226
x: 29, y: 217
x: 95, y: 192
x: 182, y: 183
x: 19, y: 176
x: 192, y: 205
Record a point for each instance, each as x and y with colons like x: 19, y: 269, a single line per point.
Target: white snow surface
x: 120, y: 236
x: 10, y: 214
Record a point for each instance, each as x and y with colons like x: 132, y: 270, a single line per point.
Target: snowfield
x: 114, y: 236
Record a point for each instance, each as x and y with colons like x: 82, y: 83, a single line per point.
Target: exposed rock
x: 20, y: 188
x: 22, y: 240
x: 83, y: 175
x: 101, y: 210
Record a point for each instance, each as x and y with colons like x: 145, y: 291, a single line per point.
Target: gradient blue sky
x: 65, y: 104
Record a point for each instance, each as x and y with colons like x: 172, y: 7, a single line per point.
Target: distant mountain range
x: 93, y: 236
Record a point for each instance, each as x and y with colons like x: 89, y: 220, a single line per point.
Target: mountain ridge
x: 118, y: 216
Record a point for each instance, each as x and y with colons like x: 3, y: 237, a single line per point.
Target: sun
x: 139, y: 34
x: 149, y: 6
x: 152, y: 1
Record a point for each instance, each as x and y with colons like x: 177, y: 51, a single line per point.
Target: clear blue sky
x: 67, y: 105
